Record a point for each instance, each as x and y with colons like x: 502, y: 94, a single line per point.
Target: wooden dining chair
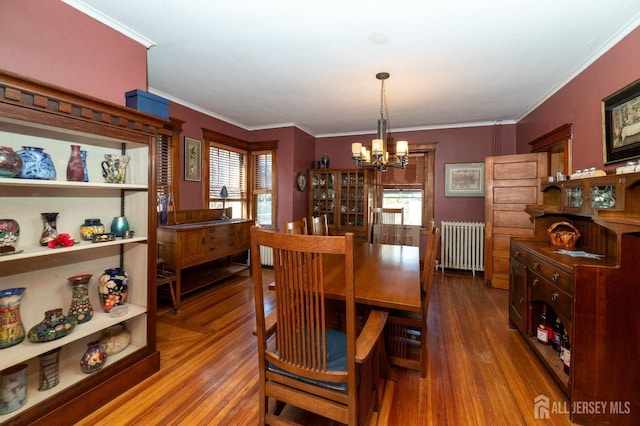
x: 387, y: 225
x: 297, y: 227
x: 320, y: 225
x: 308, y: 365
x: 406, y: 332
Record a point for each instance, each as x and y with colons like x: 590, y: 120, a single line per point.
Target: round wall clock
x: 302, y: 181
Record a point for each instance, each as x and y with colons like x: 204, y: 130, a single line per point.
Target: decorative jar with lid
x: 90, y: 228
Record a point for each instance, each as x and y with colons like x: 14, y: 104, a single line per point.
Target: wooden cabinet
x: 595, y: 297
x: 201, y: 253
x: 517, y: 293
x: 584, y: 197
x: 36, y: 114
x: 344, y: 196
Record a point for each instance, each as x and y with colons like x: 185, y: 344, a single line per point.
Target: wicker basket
x: 562, y: 237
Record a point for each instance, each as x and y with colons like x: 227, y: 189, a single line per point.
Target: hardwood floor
x: 480, y: 371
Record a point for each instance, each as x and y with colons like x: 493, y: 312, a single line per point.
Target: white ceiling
x: 261, y: 64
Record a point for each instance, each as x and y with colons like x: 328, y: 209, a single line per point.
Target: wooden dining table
x: 386, y: 276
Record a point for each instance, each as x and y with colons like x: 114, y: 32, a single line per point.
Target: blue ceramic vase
x: 36, y: 164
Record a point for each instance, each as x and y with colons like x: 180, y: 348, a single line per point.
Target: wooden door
x: 512, y: 182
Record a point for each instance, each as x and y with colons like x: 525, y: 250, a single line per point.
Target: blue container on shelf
x: 147, y: 102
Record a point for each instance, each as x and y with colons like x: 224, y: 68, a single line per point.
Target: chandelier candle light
x: 378, y: 157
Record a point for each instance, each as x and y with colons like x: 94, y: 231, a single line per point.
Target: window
x: 168, y: 149
x: 227, y: 167
x: 404, y: 188
x: 263, y: 188
x: 248, y: 170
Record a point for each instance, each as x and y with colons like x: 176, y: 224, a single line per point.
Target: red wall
x: 55, y: 43
x: 580, y: 102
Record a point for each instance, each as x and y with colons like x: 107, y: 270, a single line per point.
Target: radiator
x: 462, y: 246
x: 266, y: 256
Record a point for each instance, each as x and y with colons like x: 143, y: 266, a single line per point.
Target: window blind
x: 411, y: 177
x: 262, y: 173
x: 165, y: 165
x: 227, y: 168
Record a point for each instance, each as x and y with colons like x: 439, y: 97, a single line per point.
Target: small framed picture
x: 464, y: 180
x: 192, y: 159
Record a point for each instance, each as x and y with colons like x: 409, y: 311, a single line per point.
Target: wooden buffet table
x: 200, y: 253
x: 386, y: 276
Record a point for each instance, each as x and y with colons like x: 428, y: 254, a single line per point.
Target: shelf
x: 70, y: 374
x: 39, y: 183
x: 100, y: 321
x: 39, y: 251
x: 552, y: 361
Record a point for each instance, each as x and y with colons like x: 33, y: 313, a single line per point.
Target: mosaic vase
x: 11, y: 327
x: 81, y: 308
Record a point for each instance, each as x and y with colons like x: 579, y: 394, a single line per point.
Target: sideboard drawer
x: 552, y: 274
x: 541, y: 289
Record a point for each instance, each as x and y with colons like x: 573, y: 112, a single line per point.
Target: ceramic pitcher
x: 114, y: 167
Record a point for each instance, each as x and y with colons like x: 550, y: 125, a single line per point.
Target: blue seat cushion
x: 336, y: 361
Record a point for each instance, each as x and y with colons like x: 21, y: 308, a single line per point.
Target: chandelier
x: 378, y: 157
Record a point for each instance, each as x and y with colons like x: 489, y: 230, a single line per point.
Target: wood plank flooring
x: 480, y: 371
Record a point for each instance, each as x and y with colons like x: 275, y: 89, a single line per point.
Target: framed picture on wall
x: 192, y: 159
x: 621, y: 116
x: 464, y: 180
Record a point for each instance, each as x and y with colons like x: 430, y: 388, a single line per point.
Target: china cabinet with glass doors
x: 344, y: 195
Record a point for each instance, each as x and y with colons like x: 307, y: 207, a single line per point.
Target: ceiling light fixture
x: 378, y: 157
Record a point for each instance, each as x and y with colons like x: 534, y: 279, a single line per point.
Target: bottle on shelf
x: 566, y: 354
x: 558, y: 331
x: 545, y: 332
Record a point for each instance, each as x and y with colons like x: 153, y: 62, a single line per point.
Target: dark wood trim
x: 213, y: 136
x: 557, y: 140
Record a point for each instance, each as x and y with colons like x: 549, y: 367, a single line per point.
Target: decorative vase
x: 94, y: 357
x: 115, y: 339
x: 113, y: 288
x: 114, y: 168
x: 119, y: 224
x: 54, y: 326
x: 75, y: 170
x: 325, y: 161
x: 13, y: 388
x: 90, y: 228
x: 9, y: 233
x: 50, y: 228
x: 36, y: 164
x: 11, y: 328
x: 81, y: 308
x: 10, y: 162
x: 85, y: 172
x: 164, y: 201
x: 49, y: 374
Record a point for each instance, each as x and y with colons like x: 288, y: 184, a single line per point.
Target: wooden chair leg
x: 173, y: 298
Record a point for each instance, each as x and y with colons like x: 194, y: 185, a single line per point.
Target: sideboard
x: 595, y: 297
x: 201, y: 253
